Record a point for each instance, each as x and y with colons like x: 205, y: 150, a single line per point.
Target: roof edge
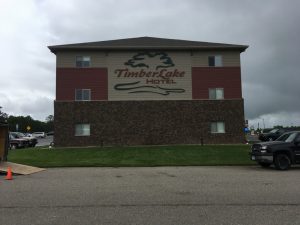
x: 56, y: 48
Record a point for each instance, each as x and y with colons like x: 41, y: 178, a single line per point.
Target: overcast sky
x: 270, y: 66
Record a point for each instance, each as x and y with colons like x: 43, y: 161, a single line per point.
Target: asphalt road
x: 252, y: 138
x: 45, y: 141
x: 161, y: 195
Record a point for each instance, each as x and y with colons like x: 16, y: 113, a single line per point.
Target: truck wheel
x: 282, y: 162
x: 265, y: 165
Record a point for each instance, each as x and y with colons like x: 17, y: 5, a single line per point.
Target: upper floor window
x: 83, y: 94
x: 216, y: 93
x: 217, y: 127
x: 82, y: 129
x: 83, y: 61
x: 215, y: 61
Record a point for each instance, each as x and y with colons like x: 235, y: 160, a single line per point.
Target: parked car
x: 273, y: 134
x: 283, y: 152
x: 28, y: 134
x: 39, y: 134
x: 16, y: 142
x: 32, y: 140
x: 50, y: 133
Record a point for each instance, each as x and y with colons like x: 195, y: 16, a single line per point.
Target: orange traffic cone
x: 9, y: 174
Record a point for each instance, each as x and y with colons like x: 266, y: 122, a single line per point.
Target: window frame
x: 81, y: 63
x: 216, y: 60
x: 222, y: 131
x: 215, y: 93
x: 82, y: 129
x: 82, y: 94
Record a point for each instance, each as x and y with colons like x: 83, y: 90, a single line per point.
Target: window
x: 217, y: 127
x: 83, y: 61
x: 297, y: 139
x: 82, y: 129
x: 215, y: 61
x: 83, y: 94
x: 216, y: 93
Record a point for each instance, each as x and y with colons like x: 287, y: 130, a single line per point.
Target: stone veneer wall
x: 149, y: 122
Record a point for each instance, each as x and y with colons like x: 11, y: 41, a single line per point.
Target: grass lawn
x: 134, y: 156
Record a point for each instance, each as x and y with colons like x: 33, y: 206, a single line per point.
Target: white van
x: 39, y: 134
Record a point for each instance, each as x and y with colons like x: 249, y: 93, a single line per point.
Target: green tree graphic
x: 138, y: 60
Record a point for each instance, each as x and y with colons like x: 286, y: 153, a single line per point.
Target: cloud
x: 274, y: 119
x: 37, y: 106
x: 270, y: 66
x: 28, y: 71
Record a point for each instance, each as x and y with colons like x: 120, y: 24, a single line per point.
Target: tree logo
x: 151, y: 70
x: 139, y: 59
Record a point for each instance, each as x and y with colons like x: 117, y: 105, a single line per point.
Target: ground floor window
x: 217, y: 127
x: 82, y: 129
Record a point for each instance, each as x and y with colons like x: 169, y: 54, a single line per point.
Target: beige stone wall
x: 100, y: 59
x: 68, y: 59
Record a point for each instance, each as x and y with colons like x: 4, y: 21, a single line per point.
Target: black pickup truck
x: 283, y: 152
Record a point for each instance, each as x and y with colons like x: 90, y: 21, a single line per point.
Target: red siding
x: 68, y: 79
x: 228, y: 78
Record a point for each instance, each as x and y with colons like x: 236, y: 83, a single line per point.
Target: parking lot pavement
x: 158, y: 195
x: 252, y: 138
x: 44, y: 141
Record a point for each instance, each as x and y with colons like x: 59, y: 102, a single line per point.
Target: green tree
x: 50, y: 123
x: 25, y: 121
x: 3, y: 116
x: 50, y: 118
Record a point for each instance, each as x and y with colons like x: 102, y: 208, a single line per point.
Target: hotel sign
x: 149, y: 75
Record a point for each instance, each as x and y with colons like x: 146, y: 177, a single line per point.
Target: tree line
x: 21, y: 123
